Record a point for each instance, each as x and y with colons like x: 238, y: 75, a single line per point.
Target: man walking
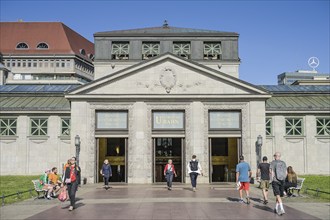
x: 279, y: 173
x: 194, y: 169
x: 264, y: 173
x: 243, y: 175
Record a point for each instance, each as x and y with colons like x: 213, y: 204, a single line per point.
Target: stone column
x: 139, y: 147
x: 198, y: 143
x: 256, y: 127
x: 83, y: 125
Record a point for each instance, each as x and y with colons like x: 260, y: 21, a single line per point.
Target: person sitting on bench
x: 43, y: 183
x: 290, y: 181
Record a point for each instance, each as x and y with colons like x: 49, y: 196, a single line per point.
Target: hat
x: 264, y: 158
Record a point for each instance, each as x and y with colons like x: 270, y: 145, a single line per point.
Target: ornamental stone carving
x: 167, y: 79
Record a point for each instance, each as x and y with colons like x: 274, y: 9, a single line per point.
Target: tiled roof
x: 299, y: 103
x: 165, y: 31
x: 297, y: 88
x: 60, y: 39
x: 37, y: 88
x: 33, y: 103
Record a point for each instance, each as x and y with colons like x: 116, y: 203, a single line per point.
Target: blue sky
x: 275, y: 36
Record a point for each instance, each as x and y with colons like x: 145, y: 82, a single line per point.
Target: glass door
x: 164, y: 150
x: 113, y: 149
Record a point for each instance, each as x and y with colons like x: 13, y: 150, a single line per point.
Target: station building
x: 165, y: 93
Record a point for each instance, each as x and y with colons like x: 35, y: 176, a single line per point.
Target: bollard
x: 30, y: 190
x: 317, y: 192
x: 3, y: 199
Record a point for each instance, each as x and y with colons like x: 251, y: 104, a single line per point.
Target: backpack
x: 280, y: 170
x: 194, y: 165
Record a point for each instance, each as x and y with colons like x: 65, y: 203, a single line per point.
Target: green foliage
x: 11, y: 184
x: 317, y: 182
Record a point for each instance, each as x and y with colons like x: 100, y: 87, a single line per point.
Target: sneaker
x: 49, y: 198
x: 194, y: 189
x: 169, y: 188
x: 70, y: 208
x: 241, y: 201
x: 280, y: 212
x: 265, y: 202
x: 247, y: 200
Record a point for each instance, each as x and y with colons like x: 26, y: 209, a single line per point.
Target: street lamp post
x: 258, y: 148
x: 77, y: 144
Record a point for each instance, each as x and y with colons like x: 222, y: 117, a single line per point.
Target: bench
x: 36, y: 188
x: 300, y: 182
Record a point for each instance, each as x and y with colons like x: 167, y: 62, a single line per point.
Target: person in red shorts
x: 243, y: 175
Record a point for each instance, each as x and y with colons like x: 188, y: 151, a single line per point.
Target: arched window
x: 82, y: 52
x: 22, y: 46
x: 42, y: 46
x: 91, y: 56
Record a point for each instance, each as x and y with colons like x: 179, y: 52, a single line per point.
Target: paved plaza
x: 156, y: 202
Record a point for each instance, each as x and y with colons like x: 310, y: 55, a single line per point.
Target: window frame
x: 64, y: 129
x: 8, y: 126
x: 208, y: 56
x: 146, y: 52
x: 38, y: 125
x: 22, y: 48
x: 269, y: 120
x: 323, y: 127
x: 121, y: 56
x: 42, y: 48
x: 182, y: 53
x: 293, y: 126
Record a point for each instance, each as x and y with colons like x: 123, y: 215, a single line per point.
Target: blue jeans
x: 169, y: 178
x: 193, y: 178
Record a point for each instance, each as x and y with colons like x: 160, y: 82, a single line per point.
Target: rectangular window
x: 112, y: 120
x: 18, y: 63
x: 8, y: 126
x: 24, y: 63
x: 13, y: 63
x: 224, y: 120
x: 39, y: 126
x: 168, y: 120
x: 323, y: 126
x: 120, y: 50
x: 182, y: 49
x: 294, y: 126
x: 65, y: 126
x: 150, y: 49
x: 212, y: 51
x: 269, y: 126
x: 40, y: 63
x: 34, y: 63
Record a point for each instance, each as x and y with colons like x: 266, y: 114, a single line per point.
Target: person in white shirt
x: 194, y: 169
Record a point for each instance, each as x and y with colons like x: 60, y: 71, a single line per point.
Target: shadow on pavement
x: 264, y: 208
x: 233, y: 199
x: 256, y: 199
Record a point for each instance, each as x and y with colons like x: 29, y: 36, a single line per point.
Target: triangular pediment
x: 168, y: 75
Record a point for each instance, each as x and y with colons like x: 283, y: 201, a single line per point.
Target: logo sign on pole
x: 313, y: 62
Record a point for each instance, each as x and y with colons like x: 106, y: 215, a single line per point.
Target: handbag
x: 63, y: 195
x: 68, y: 180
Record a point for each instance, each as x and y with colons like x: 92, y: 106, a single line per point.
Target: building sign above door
x: 224, y: 120
x: 168, y: 120
x: 111, y: 120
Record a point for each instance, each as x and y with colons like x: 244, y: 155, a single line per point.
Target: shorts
x: 264, y: 184
x: 245, y: 186
x: 278, y: 188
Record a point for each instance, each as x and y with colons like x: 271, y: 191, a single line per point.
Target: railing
x: 318, y: 191
x: 18, y: 194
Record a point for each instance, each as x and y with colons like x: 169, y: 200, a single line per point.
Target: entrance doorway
x: 165, y: 149
x: 223, y: 159
x: 113, y: 149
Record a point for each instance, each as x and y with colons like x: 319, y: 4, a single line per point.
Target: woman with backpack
x: 194, y: 169
x: 72, y: 180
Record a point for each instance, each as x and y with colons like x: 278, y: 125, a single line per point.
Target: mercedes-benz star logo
x: 313, y: 62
